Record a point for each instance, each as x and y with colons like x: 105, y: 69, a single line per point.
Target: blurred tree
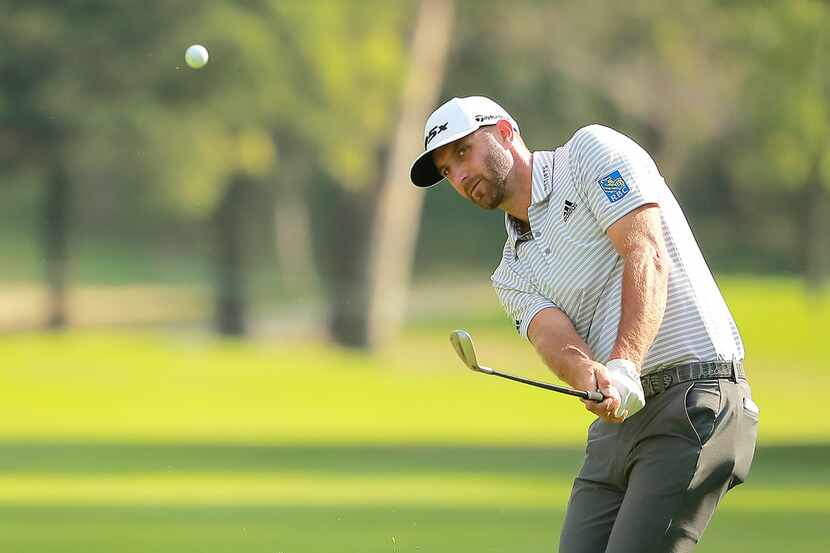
x: 55, y: 239
x: 365, y: 121
x: 96, y: 101
x: 292, y: 216
x: 398, y: 213
x: 785, y: 136
x: 94, y: 93
x: 335, y: 94
x: 658, y: 64
x: 34, y: 135
x: 319, y: 80
x: 229, y: 255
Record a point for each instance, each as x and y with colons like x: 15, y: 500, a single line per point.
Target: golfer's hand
x: 599, y: 381
x: 625, y: 378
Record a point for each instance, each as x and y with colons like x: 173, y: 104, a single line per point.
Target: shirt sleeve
x: 520, y: 299
x: 612, y: 173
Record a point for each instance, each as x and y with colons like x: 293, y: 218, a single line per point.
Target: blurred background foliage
x: 259, y: 176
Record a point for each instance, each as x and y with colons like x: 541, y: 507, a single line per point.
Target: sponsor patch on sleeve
x: 614, y: 186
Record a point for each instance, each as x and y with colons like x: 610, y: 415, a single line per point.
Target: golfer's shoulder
x: 595, y: 138
x: 596, y: 145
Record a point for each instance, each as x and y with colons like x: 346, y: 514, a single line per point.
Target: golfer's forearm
x: 569, y: 362
x: 562, y: 350
x: 645, y: 280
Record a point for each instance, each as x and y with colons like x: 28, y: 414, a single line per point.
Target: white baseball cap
x: 453, y: 120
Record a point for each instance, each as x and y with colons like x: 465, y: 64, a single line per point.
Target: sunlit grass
x: 781, y: 324
x: 445, y: 490
x: 107, y: 386
x: 143, y: 386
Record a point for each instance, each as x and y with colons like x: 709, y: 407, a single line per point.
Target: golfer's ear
x: 505, y: 130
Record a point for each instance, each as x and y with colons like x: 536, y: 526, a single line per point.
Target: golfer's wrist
x: 577, y: 375
x: 572, y: 365
x: 625, y: 351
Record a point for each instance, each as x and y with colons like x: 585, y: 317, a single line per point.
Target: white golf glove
x: 623, y: 374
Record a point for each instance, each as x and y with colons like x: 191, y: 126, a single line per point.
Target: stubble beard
x: 497, y: 164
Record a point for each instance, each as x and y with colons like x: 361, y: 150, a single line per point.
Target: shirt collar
x: 541, y: 185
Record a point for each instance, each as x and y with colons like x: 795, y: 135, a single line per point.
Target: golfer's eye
x: 462, y: 151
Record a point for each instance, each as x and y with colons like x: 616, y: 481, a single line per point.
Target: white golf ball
x: 196, y: 56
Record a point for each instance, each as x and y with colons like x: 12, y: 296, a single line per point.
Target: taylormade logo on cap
x: 453, y: 120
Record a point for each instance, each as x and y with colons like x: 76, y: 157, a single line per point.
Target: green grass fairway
x: 98, y: 497
x: 134, y: 442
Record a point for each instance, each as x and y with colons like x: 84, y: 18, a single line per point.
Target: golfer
x: 601, y: 273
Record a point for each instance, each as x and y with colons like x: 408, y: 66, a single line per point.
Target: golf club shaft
x: 594, y: 396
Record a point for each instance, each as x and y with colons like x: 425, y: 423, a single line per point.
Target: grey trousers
x: 652, y: 483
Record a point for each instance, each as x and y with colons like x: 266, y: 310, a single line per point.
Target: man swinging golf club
x: 601, y: 273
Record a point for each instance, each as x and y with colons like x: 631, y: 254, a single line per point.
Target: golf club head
x: 463, y: 344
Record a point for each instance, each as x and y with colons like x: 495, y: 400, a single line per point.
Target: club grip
x: 595, y: 396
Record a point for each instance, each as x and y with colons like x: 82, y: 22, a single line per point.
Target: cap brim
x: 423, y: 172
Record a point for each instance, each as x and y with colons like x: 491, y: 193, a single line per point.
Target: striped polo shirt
x: 567, y: 260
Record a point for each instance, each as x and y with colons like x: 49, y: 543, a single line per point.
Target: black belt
x: 662, y: 380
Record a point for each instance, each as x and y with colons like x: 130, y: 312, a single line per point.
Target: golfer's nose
x: 458, y: 174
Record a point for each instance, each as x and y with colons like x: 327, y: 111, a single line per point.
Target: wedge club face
x: 463, y: 344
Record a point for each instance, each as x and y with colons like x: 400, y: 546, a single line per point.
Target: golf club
x: 463, y: 344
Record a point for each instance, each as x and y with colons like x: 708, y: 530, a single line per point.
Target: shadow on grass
x: 773, y: 464
x: 109, y: 457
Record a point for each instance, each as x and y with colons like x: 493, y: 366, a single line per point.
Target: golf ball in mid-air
x: 196, y: 56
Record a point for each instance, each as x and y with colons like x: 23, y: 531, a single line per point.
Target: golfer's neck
x: 518, y: 201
